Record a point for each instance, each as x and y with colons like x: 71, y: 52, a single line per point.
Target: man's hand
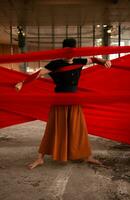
x: 100, y: 61
x: 107, y: 63
x: 19, y: 86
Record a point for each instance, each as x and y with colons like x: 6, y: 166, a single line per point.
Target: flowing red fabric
x: 63, y: 53
x: 103, y: 93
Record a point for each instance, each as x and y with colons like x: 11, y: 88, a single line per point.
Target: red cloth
x: 104, y: 94
x: 63, y: 53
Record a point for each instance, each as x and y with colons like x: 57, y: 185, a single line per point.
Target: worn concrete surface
x: 56, y: 181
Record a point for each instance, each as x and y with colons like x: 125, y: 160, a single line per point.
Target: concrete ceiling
x: 63, y: 12
x: 60, y: 13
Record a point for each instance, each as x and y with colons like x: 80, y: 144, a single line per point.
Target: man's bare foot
x: 36, y: 163
x: 93, y: 161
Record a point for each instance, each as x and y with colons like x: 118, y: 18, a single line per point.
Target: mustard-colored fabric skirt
x: 66, y: 135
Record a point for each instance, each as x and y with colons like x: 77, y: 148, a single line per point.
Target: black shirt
x: 66, y: 81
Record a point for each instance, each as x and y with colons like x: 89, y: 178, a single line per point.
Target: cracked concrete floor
x: 56, y: 181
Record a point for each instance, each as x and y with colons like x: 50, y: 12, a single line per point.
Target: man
x: 66, y: 135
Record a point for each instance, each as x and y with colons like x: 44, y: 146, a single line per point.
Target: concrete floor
x: 56, y: 181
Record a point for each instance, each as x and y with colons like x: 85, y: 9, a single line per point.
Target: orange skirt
x: 66, y: 135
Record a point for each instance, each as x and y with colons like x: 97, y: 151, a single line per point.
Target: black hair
x: 69, y: 42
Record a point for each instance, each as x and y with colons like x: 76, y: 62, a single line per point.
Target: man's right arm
x: 30, y: 78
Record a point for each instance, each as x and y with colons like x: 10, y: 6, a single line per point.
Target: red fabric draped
x: 63, y: 53
x: 103, y: 93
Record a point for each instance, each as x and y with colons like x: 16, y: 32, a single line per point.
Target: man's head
x: 69, y: 42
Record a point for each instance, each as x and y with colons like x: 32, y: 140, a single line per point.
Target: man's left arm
x: 100, y: 61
